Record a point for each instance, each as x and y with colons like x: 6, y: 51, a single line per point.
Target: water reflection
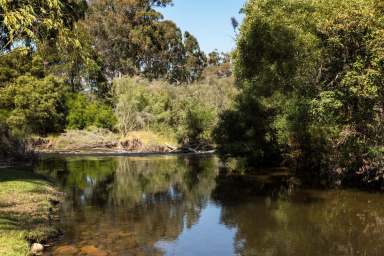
x: 186, y: 206
x: 129, y: 204
x: 277, y: 221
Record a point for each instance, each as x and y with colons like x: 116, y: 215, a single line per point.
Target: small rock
x: 66, y: 250
x: 91, y: 250
x: 37, y: 249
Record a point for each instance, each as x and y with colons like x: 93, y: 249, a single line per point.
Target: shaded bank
x: 12, y: 148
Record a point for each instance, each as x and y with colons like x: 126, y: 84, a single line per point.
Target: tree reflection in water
x: 137, y: 201
x: 125, y: 206
x: 272, y: 220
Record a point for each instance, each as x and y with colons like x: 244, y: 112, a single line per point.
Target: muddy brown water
x: 181, y: 205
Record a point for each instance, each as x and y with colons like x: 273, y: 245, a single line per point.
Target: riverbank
x: 100, y: 140
x: 29, y: 211
x: 103, y: 142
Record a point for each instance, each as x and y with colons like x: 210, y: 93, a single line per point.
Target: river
x: 185, y: 205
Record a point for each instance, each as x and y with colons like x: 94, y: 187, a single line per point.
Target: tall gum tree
x: 133, y: 39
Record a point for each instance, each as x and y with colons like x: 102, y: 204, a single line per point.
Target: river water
x: 185, y: 205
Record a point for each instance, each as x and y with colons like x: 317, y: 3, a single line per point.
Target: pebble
x: 37, y: 249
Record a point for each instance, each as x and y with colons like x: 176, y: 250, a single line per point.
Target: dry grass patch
x: 150, y: 138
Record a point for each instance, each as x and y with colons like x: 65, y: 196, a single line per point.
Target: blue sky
x: 208, y: 20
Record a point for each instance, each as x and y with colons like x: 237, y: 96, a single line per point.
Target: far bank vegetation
x: 98, y: 70
x: 146, y: 116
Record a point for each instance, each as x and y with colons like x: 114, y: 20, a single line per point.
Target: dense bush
x: 190, y: 112
x: 83, y: 112
x: 311, y: 84
x: 33, y: 105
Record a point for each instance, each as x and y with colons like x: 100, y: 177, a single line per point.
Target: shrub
x: 33, y: 105
x: 190, y: 112
x: 198, y: 124
x: 84, y: 112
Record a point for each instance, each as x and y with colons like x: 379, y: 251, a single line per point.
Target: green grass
x: 24, y: 211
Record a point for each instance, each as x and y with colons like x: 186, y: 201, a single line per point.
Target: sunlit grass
x: 24, y: 211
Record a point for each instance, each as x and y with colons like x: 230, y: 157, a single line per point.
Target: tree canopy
x: 133, y: 39
x: 59, y: 59
x: 311, y: 81
x: 30, y: 20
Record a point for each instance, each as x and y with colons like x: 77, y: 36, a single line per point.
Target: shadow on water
x: 189, y: 206
x: 273, y: 218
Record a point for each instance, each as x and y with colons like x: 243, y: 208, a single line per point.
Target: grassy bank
x: 27, y: 213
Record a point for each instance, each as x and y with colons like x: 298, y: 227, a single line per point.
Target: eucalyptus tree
x: 133, y: 39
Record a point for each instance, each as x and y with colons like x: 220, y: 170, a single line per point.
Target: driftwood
x: 171, y: 149
x: 197, y: 148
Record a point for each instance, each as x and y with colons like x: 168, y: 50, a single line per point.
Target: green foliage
x: 199, y: 121
x: 77, y: 64
x: 34, y: 105
x: 57, y: 64
x: 32, y: 101
x: 84, y: 112
x: 18, y: 63
x: 50, y: 39
x: 190, y: 111
x: 311, y: 80
x: 33, y: 20
x: 133, y: 39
